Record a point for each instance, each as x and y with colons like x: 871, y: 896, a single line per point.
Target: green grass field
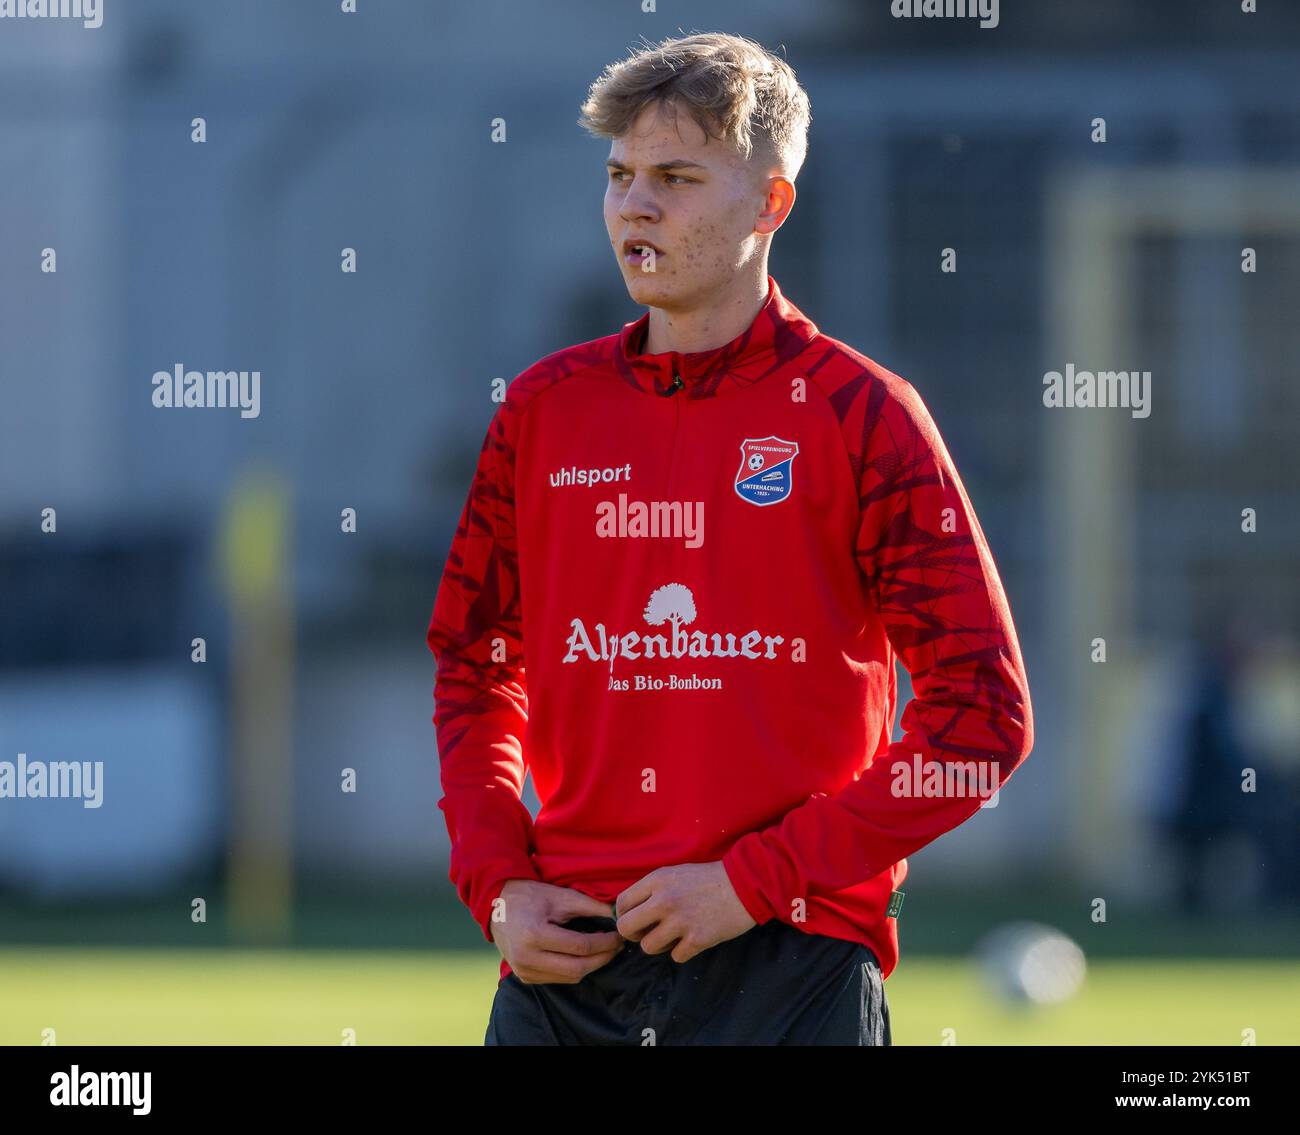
x: 119, y: 996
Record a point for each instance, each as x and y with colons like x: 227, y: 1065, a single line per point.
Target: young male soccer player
x: 691, y: 553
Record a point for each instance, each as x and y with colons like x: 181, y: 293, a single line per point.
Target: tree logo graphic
x: 672, y: 601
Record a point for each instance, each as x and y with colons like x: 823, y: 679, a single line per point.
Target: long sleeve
x: 931, y: 577
x: 481, y: 700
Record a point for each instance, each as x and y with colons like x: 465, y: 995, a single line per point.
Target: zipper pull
x: 677, y: 384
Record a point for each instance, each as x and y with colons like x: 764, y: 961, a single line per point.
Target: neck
x: 713, y: 323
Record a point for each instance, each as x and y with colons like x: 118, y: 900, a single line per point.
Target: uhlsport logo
x: 766, y: 469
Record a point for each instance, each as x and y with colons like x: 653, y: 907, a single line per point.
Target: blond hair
x: 735, y: 89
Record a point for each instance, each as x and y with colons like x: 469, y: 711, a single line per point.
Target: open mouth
x: 641, y: 254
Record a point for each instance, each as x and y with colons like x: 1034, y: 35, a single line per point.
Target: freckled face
x: 699, y: 211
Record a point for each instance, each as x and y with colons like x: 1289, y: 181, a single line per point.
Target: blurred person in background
x: 1205, y: 809
x: 1269, y: 695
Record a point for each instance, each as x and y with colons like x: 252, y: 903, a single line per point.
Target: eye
x: 676, y: 177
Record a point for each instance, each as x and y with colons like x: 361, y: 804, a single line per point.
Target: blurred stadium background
x: 329, y: 910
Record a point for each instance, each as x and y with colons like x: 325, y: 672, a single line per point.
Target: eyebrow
x: 676, y: 163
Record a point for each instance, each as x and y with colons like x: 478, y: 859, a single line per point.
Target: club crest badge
x: 766, y: 469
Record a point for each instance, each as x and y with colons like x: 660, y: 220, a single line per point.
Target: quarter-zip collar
x: 777, y: 334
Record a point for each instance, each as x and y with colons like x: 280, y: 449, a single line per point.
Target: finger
x: 596, y: 961
x: 640, y: 919
x: 662, y: 938
x: 636, y: 894
x: 684, y: 953
x: 558, y: 940
x: 543, y: 968
x: 574, y: 904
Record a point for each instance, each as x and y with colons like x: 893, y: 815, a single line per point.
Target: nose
x: 639, y: 201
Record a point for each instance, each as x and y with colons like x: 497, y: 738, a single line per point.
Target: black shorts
x: 774, y: 984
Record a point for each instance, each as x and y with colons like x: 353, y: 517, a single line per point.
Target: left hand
x: 691, y: 904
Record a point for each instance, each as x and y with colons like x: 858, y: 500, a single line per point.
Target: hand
x: 692, y: 905
x: 538, y: 949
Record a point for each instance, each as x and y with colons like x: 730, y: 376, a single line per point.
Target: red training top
x: 676, y: 593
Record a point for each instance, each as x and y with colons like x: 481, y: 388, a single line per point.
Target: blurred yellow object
x: 255, y: 553
x: 254, y: 537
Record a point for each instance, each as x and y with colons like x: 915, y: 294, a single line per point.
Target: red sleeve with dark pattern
x: 481, y: 701
x: 931, y: 577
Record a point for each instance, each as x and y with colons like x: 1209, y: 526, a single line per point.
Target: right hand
x: 538, y: 949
